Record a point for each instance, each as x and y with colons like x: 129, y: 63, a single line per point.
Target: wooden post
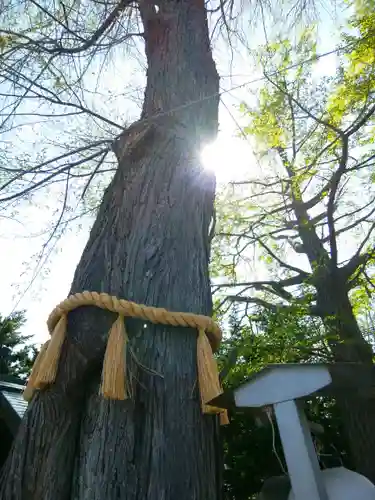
x: 302, y: 462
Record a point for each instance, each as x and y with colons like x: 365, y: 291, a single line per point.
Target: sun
x: 230, y: 159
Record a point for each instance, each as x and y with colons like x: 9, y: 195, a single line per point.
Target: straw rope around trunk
x: 113, y: 384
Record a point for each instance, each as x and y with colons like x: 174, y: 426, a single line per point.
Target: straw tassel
x: 214, y: 410
x: 48, y: 368
x: 224, y: 419
x: 30, y: 387
x: 114, y: 365
x: 208, y: 375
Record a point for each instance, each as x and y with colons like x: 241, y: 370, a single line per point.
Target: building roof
x: 13, y: 394
x: 12, y: 404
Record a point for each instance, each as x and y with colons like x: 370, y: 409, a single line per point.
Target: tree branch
x: 287, y: 282
x: 305, y: 110
x: 335, y: 181
x: 354, y: 224
x: 359, y: 122
x: 359, y: 259
x: 44, y: 181
x: 60, y: 49
x: 311, y: 311
x: 281, y: 262
x: 52, y: 97
x: 38, y: 167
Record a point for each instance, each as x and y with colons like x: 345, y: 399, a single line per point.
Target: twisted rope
x: 156, y: 315
x: 114, y: 366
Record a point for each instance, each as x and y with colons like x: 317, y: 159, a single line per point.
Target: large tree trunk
x: 149, y: 244
x: 356, y: 403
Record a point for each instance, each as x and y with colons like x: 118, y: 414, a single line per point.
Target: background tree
x: 315, y: 141
x: 16, y: 353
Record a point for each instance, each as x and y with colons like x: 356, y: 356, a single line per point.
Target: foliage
x: 312, y: 189
x: 16, y: 353
x: 357, y: 73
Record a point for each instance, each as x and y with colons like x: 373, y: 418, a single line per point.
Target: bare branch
x: 45, y: 180
x: 52, y: 97
x: 287, y: 282
x: 282, y: 263
x: 335, y: 181
x: 311, y: 311
x: 359, y: 260
x: 255, y: 300
x: 359, y: 122
x: 355, y: 224
x: 39, y: 167
x: 94, y: 172
x: 42, y: 45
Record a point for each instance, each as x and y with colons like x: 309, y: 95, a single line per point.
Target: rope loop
x: 114, y: 365
x: 156, y: 315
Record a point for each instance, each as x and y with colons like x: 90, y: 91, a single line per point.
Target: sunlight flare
x: 230, y: 159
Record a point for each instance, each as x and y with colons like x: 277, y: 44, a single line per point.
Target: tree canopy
x: 17, y: 354
x: 309, y: 203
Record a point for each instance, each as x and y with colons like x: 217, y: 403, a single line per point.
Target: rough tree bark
x: 357, y: 404
x: 149, y: 244
x: 347, y: 344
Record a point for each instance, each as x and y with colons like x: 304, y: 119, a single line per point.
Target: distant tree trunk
x: 347, y: 344
x: 149, y: 244
x: 357, y: 406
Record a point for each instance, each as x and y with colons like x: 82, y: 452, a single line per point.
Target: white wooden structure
x: 281, y: 386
